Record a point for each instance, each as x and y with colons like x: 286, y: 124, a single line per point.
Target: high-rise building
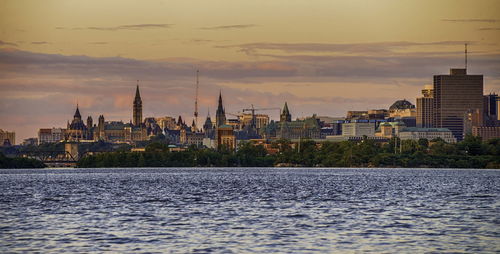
x: 137, y: 112
x: 490, y: 110
x: 454, y: 94
x: 425, y: 108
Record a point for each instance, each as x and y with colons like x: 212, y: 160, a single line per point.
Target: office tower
x: 425, y: 106
x: 490, y: 110
x: 454, y: 95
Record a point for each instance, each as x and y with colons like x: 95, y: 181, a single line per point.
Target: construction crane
x: 196, y: 101
x: 253, y: 113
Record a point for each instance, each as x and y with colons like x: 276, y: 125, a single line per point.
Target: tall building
x: 454, y: 94
x: 137, y: 112
x: 425, y: 107
x: 490, y: 110
x: 220, y: 115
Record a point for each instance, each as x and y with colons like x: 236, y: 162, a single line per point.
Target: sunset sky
x: 323, y: 57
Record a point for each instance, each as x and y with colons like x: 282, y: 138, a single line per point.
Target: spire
x: 137, y: 93
x: 285, y: 115
x: 285, y: 109
x: 220, y: 107
x: 77, y: 113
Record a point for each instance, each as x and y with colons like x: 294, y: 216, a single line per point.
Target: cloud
x: 471, y: 20
x: 39, y: 42
x: 380, y: 48
x: 489, y: 29
x: 229, y: 27
x: 122, y: 27
x: 43, y: 88
x: 5, y: 43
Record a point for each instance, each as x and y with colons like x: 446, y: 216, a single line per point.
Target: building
x: 425, y: 108
x: 187, y: 137
x: 261, y: 120
x: 225, y: 137
x: 76, y: 130
x: 454, y: 94
x: 220, y: 115
x: 414, y: 133
x: 486, y: 132
x: 113, y: 131
x: 137, y: 108
x: 402, y: 108
x: 353, y: 115
x: 30, y: 142
x: 51, y: 135
x: 472, y: 117
x: 389, y: 129
x: 224, y: 133
x: 166, y: 122
x: 287, y: 129
x: 208, y: 128
x: 7, y: 138
x: 358, y: 129
x: 490, y: 110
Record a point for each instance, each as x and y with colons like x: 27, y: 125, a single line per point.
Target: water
x: 249, y: 210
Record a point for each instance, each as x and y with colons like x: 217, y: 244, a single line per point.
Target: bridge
x: 56, y: 158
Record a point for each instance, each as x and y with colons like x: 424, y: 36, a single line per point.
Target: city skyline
x: 363, y: 63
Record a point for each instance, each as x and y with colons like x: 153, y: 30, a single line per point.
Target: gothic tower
x: 137, y: 117
x: 285, y: 114
x: 220, y: 115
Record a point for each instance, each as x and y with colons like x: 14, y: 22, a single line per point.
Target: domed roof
x: 401, y: 104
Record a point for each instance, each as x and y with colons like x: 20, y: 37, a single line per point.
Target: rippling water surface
x: 249, y: 210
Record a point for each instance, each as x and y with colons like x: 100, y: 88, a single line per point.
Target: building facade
x: 486, y: 132
x: 454, y: 94
x: 358, y: 129
x: 414, y: 133
x: 51, y: 135
x: 425, y: 108
x: 7, y: 138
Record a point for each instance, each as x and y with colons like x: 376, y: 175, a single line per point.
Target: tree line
x: 472, y: 152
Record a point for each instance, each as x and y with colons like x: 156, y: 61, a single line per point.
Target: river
x: 241, y: 210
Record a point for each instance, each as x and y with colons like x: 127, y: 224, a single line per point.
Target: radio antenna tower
x: 465, y: 56
x: 196, y: 101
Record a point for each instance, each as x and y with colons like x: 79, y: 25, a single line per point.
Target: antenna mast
x: 196, y: 101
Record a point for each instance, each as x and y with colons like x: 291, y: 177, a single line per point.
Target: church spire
x: 137, y: 93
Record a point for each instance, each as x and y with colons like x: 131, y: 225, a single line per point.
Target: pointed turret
x: 77, y: 113
x: 285, y: 114
x: 137, y: 95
